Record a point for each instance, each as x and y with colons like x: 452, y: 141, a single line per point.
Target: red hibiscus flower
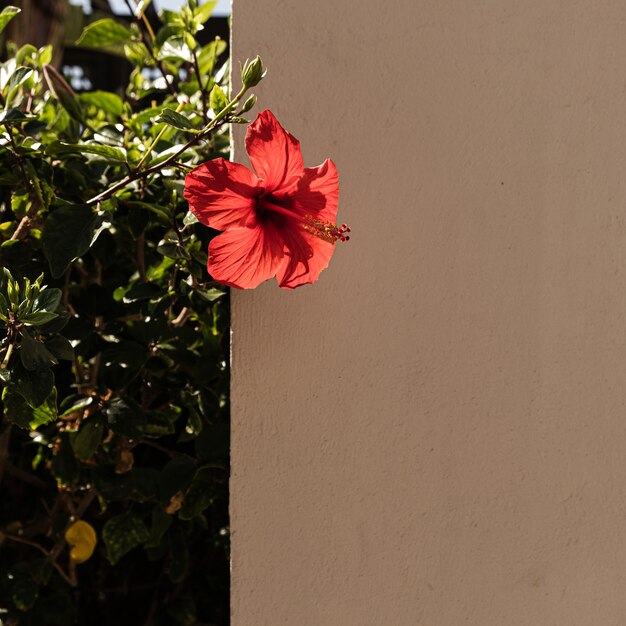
x: 280, y: 223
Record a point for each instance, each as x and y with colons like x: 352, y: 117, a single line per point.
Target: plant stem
x: 68, y: 579
x: 32, y: 192
x: 151, y: 147
x: 7, y: 356
x: 140, y: 18
x: 77, y: 514
x: 146, y: 22
x: 215, y: 123
x: 205, y: 108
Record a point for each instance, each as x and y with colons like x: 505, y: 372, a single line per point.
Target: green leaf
x: 199, y: 494
x: 24, y: 415
x: 129, y: 420
x: 34, y: 355
x: 137, y: 53
x: 27, y: 51
x: 61, y: 348
x: 143, y: 291
x: 211, y: 294
x: 172, y: 248
x: 176, y: 476
x: 142, y: 5
x: 161, y: 522
x: 175, y: 119
x: 209, y: 54
x: 146, y: 116
x: 57, y: 324
x: 166, y: 32
x: 108, y: 152
x: 171, y: 18
x: 189, y: 219
x: 193, y: 427
x: 19, y: 76
x: 15, y: 116
x: 203, y: 12
x: 45, y: 54
x: 68, y: 233
x: 45, y: 412
x: 48, y: 300
x: 218, y: 99
x: 6, y: 15
x: 105, y: 100
x: 166, y: 154
x: 75, y: 403
x: 15, y: 408
x: 86, y: 441
x: 104, y: 33
x: 63, y: 92
x: 33, y: 386
x: 123, y: 533
x: 38, y: 318
x: 175, y: 48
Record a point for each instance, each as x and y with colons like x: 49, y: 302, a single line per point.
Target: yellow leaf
x: 82, y: 538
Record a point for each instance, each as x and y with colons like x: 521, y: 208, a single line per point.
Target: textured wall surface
x: 435, y: 432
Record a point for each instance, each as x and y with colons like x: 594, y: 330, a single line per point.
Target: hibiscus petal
x: 305, y: 257
x: 222, y: 194
x: 274, y: 153
x: 316, y: 193
x: 245, y: 257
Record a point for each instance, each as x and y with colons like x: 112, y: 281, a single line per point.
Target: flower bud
x: 248, y: 104
x: 252, y: 72
x: 62, y: 92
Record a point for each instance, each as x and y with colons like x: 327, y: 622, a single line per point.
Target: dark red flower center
x: 267, y: 205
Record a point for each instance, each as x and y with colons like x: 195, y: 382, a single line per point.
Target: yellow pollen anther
x: 328, y: 231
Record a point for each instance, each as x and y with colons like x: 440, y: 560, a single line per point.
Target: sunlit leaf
x: 6, y: 15
x: 103, y: 33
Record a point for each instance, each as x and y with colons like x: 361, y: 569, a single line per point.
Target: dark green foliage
x: 113, y: 338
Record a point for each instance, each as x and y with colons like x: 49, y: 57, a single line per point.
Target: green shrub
x: 114, y: 341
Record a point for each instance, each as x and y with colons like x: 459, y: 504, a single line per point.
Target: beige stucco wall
x: 435, y: 432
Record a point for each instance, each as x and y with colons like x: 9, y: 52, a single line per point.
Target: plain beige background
x: 435, y: 432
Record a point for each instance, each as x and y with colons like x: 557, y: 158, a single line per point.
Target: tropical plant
x: 114, y: 358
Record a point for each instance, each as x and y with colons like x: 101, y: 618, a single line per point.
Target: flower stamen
x: 328, y: 231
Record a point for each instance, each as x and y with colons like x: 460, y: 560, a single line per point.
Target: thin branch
x: 205, y: 107
x: 143, y: 23
x: 48, y: 555
x: 220, y: 119
x: 35, y: 203
x: 77, y: 514
x: 181, y: 318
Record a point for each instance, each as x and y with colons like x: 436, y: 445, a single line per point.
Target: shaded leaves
x: 68, y: 233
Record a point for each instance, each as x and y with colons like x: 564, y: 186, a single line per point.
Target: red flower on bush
x: 280, y: 223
